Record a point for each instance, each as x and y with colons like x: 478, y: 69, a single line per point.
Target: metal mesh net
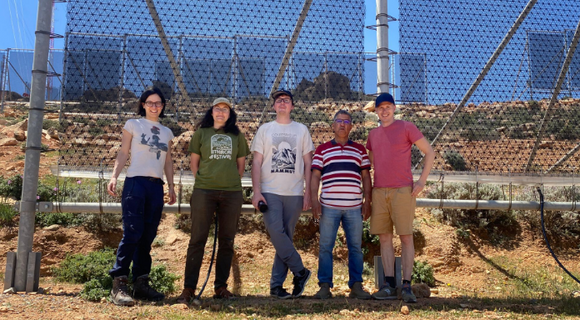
x: 508, y: 123
x: 195, y: 51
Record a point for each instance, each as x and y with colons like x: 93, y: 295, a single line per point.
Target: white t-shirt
x: 149, y: 147
x: 283, y: 146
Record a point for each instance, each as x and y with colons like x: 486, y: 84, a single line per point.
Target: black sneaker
x: 300, y: 283
x: 280, y: 293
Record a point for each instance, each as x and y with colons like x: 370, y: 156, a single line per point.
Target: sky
x: 18, y: 22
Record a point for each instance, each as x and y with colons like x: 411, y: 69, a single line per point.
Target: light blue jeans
x: 352, y: 224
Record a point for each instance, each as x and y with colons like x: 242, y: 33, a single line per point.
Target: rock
x: 421, y: 290
x: 179, y: 306
x: 52, y: 227
x: 172, y: 237
x: 20, y: 135
x: 8, y: 142
x: 405, y: 310
x: 369, y: 107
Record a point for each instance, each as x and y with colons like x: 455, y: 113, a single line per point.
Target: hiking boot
x: 143, y: 291
x: 385, y: 293
x: 407, y: 294
x: 300, y: 282
x: 324, y: 292
x: 280, y: 293
x: 223, y: 293
x: 120, y: 293
x: 357, y: 291
x: 186, y: 295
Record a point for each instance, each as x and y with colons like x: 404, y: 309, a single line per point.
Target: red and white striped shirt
x: 341, y: 173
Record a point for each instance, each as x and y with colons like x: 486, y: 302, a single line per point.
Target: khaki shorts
x: 392, y: 206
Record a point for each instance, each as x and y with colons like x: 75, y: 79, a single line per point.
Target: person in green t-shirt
x: 218, y: 152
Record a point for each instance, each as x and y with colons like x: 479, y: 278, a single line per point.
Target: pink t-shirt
x: 391, y: 148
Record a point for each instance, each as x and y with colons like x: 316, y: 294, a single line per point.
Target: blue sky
x: 18, y: 23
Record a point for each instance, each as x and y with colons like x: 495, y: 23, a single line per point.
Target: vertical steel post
x: 33, y: 143
x: 382, y: 18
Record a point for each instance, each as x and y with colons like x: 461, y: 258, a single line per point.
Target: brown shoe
x: 223, y: 293
x: 186, y: 295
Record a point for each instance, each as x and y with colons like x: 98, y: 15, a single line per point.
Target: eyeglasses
x: 221, y: 110
x: 346, y: 122
x: 283, y: 101
x: 156, y: 104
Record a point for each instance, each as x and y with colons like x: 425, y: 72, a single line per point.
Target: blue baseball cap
x: 278, y: 93
x: 384, y: 97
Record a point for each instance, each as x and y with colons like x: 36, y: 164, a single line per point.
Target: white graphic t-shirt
x: 149, y: 147
x: 283, y: 146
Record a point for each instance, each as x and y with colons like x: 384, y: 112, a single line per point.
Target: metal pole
x: 93, y: 207
x: 486, y: 68
x: 4, y: 79
x: 170, y: 56
x: 382, y: 18
x: 33, y: 144
x: 548, y: 114
x: 291, y: 44
x: 288, y: 53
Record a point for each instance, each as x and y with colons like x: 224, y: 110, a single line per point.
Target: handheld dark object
x: 262, y: 206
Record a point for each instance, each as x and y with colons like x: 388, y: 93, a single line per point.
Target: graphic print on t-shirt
x: 153, y: 142
x: 284, y: 153
x: 221, y: 147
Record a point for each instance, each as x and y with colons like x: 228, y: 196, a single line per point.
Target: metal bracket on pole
x: 10, y: 269
x: 380, y: 272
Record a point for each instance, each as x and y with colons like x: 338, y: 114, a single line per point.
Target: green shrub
x: 80, y: 268
x: 7, y: 214
x: 498, y: 226
x: 93, y: 270
x: 162, y: 280
x: 423, y: 273
x: 67, y: 219
x: 455, y: 160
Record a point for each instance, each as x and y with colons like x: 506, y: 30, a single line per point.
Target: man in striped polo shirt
x: 342, y: 165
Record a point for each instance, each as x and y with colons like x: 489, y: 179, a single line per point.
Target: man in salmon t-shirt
x: 394, y: 192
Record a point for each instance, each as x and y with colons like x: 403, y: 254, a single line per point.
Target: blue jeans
x: 280, y: 221
x: 352, y: 225
x: 142, y: 205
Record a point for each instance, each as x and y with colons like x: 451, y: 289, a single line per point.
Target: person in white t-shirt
x: 149, y: 145
x: 280, y: 169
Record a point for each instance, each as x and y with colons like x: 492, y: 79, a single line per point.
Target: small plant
x: 455, y: 160
x: 7, y: 214
x: 423, y: 273
x: 80, y: 268
x: 92, y: 270
x: 66, y: 219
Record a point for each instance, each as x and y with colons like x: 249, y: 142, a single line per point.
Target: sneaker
x: 300, y: 283
x: 186, y: 295
x: 357, y: 291
x: 142, y: 290
x: 324, y: 292
x: 385, y: 293
x: 280, y: 293
x: 223, y: 293
x: 120, y: 293
x: 407, y: 294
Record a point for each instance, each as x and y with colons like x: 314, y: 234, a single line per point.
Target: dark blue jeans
x: 142, y: 204
x: 227, y: 206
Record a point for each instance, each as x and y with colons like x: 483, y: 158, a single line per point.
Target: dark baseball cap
x: 278, y: 93
x: 384, y: 97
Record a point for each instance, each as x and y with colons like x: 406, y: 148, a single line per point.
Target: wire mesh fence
x: 196, y: 51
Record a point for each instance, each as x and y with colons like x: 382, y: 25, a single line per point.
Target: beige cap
x: 222, y: 100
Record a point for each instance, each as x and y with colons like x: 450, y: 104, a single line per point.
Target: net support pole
x: 486, y: 68
x: 383, y: 66
x: 174, y: 66
x: 289, y: 50
x: 33, y: 144
x: 3, y: 80
x: 548, y: 114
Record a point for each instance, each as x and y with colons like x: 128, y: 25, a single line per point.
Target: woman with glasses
x: 218, y: 150
x: 149, y: 145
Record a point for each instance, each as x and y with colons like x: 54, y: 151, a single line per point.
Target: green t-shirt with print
x: 218, y: 153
